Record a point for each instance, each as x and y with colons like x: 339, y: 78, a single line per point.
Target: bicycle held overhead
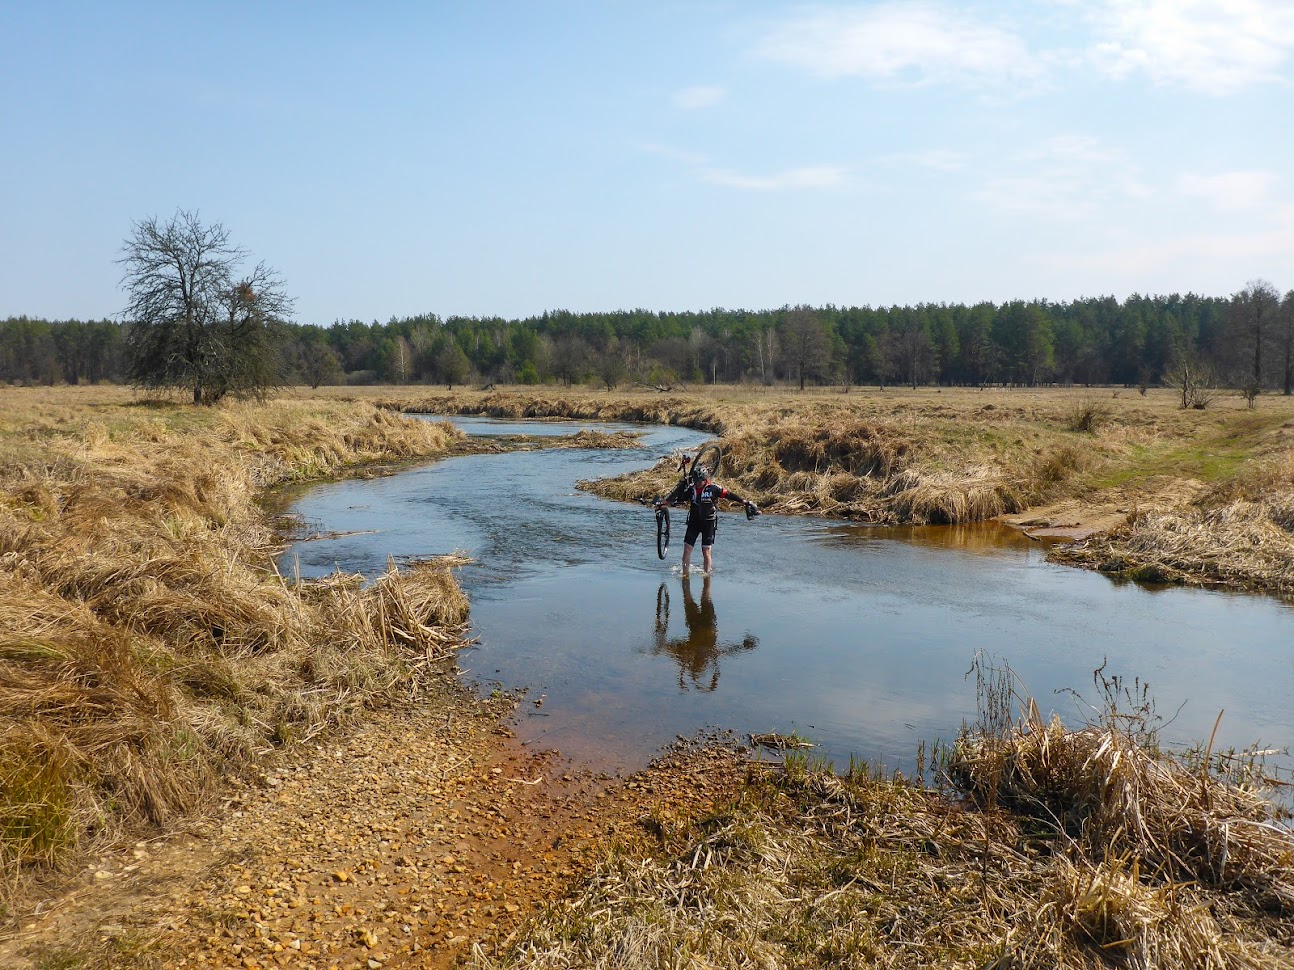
x: 702, y: 495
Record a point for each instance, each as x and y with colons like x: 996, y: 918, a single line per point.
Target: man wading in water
x: 703, y: 511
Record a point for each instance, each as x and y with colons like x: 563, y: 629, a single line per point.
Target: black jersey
x: 703, y: 499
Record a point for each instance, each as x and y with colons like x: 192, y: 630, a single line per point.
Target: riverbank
x: 424, y: 831
x: 150, y: 652
x: 340, y: 793
x: 159, y: 678
x: 1148, y: 490
x: 1074, y: 850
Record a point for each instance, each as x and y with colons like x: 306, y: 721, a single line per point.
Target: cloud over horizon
x: 699, y: 96
x: 808, y: 177
x: 1213, y: 46
x: 911, y: 42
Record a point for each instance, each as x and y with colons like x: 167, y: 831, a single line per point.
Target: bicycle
x: 662, y: 531
x: 711, y: 456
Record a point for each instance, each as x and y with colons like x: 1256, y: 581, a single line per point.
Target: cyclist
x: 702, y: 496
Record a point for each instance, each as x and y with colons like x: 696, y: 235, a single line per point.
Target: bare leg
x: 687, y: 557
x: 708, y: 557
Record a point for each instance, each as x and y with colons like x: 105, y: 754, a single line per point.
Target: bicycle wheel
x: 662, y: 532
x: 710, y: 456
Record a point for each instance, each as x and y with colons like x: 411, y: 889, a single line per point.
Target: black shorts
x: 705, y: 528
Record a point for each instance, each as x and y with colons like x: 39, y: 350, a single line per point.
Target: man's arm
x: 734, y: 497
x: 675, y: 495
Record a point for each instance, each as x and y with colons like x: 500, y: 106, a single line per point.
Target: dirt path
x: 425, y: 831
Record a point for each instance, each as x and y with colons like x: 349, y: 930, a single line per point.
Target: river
x: 857, y: 638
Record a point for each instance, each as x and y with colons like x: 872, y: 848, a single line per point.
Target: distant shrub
x: 1088, y: 415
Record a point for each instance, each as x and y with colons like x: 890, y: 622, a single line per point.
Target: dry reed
x: 871, y: 470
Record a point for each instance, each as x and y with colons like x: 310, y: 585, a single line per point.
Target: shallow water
x: 858, y: 638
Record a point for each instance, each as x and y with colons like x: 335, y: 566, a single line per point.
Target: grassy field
x: 149, y: 651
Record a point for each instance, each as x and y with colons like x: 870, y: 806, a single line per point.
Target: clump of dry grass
x: 655, y: 409
x: 816, y: 871
x: 949, y: 498
x: 1089, y: 414
x: 1119, y: 799
x: 147, y: 645
x: 870, y: 470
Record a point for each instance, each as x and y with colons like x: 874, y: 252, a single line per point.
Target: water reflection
x: 984, y: 538
x: 697, y: 653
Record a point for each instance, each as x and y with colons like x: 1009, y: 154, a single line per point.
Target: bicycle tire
x: 710, y: 455
x: 662, y: 532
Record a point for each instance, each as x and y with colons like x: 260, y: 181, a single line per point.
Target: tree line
x: 197, y: 318
x: 1246, y: 339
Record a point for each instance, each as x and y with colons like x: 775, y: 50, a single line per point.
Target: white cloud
x: 1067, y: 177
x: 700, y: 96
x: 935, y: 159
x: 810, y: 177
x: 1214, y: 46
x: 913, y: 42
x: 1235, y: 253
x: 1229, y: 191
x: 1076, y: 150
x: 675, y: 154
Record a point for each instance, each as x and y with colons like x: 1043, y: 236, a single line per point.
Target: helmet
x: 700, y: 473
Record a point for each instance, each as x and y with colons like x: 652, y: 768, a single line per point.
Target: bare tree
x: 191, y: 321
x: 397, y: 359
x: 1192, y: 378
x: 611, y: 366
x: 765, y: 352
x: 805, y: 341
x: 570, y: 359
x: 320, y: 364
x: 881, y: 355
x: 915, y: 351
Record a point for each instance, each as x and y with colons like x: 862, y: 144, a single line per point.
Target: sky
x: 506, y: 158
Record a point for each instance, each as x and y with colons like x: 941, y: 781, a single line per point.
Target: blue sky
x: 505, y: 158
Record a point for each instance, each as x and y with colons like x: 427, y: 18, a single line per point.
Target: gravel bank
x: 427, y: 831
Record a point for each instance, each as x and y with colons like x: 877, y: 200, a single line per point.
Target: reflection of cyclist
x: 700, y: 650
x: 702, y: 496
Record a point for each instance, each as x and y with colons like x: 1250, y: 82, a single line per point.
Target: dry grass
x: 147, y: 646
x: 816, y: 871
x: 1238, y: 534
x: 1078, y: 850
